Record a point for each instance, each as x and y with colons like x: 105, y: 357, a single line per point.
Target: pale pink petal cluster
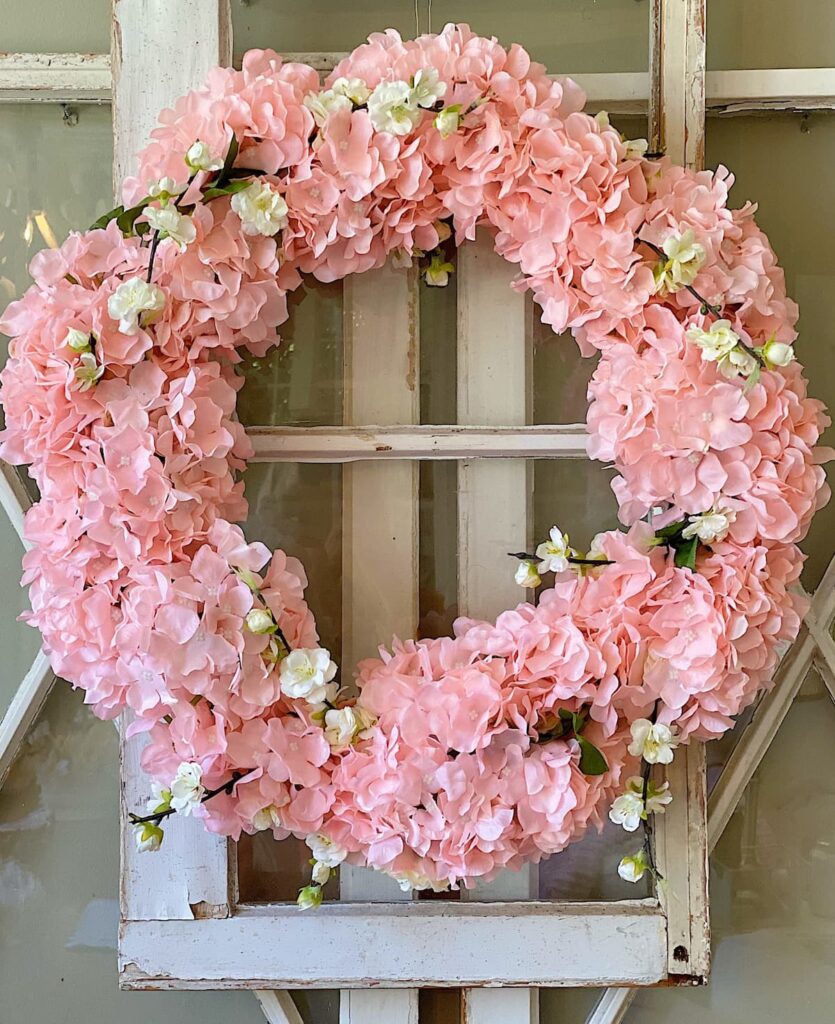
x: 141, y: 584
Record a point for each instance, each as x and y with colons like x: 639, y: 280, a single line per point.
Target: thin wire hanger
x: 428, y: 16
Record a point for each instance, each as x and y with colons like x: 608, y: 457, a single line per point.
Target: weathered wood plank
x: 14, y: 499
x: 379, y: 536
x: 352, y: 444
x: 152, y: 67
x: 432, y: 943
x: 278, y: 1007
x: 189, y: 877
x: 23, y: 710
x: 54, y: 77
x: 678, y: 112
x: 86, y: 78
x: 494, y: 511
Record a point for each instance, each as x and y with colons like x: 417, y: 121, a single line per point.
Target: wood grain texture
x: 152, y: 68
x: 54, y: 78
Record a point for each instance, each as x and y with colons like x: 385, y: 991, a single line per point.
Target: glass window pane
x: 44, y: 26
x: 56, y: 178
x: 18, y: 642
x: 273, y: 872
x: 59, y: 885
x: 41, y: 199
x: 299, y: 508
x: 772, y: 889
x: 575, y: 495
x: 782, y: 163
x: 299, y: 382
x: 566, y: 35
x: 769, y: 34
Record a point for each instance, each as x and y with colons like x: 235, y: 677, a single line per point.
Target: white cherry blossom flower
x: 526, y: 574
x: 165, y: 188
x: 596, y: 551
x: 737, y: 363
x: 553, y: 553
x: 658, y: 797
x: 343, y: 725
x: 160, y: 798
x: 87, y: 371
x: 187, y: 787
x: 78, y: 341
x: 634, y: 867
x: 635, y: 148
x: 718, y: 341
x: 320, y: 873
x: 427, y: 87
x: 722, y: 345
x: 711, y: 526
x: 685, y: 257
x: 354, y: 89
x: 323, y: 104
x: 135, y: 303
x: 175, y: 225
x: 391, y: 108
x: 325, y: 850
x: 260, y: 621
x: 652, y: 741
x: 199, y: 158
x: 777, y: 353
x: 306, y: 673
x: 628, y: 809
x: 267, y: 817
x: 263, y: 210
x: 448, y: 120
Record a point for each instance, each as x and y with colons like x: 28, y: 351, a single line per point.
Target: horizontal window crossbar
x: 401, y: 945
x: 351, y: 444
x: 86, y: 78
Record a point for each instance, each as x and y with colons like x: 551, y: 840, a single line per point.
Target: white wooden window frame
x: 184, y: 899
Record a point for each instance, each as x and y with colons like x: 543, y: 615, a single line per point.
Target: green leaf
x: 127, y: 218
x: 686, y: 554
x: 227, y: 190
x: 106, y: 218
x: 245, y: 172
x: 670, y: 531
x: 592, y: 761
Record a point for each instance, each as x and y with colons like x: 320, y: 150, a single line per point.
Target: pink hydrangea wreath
x: 501, y: 744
